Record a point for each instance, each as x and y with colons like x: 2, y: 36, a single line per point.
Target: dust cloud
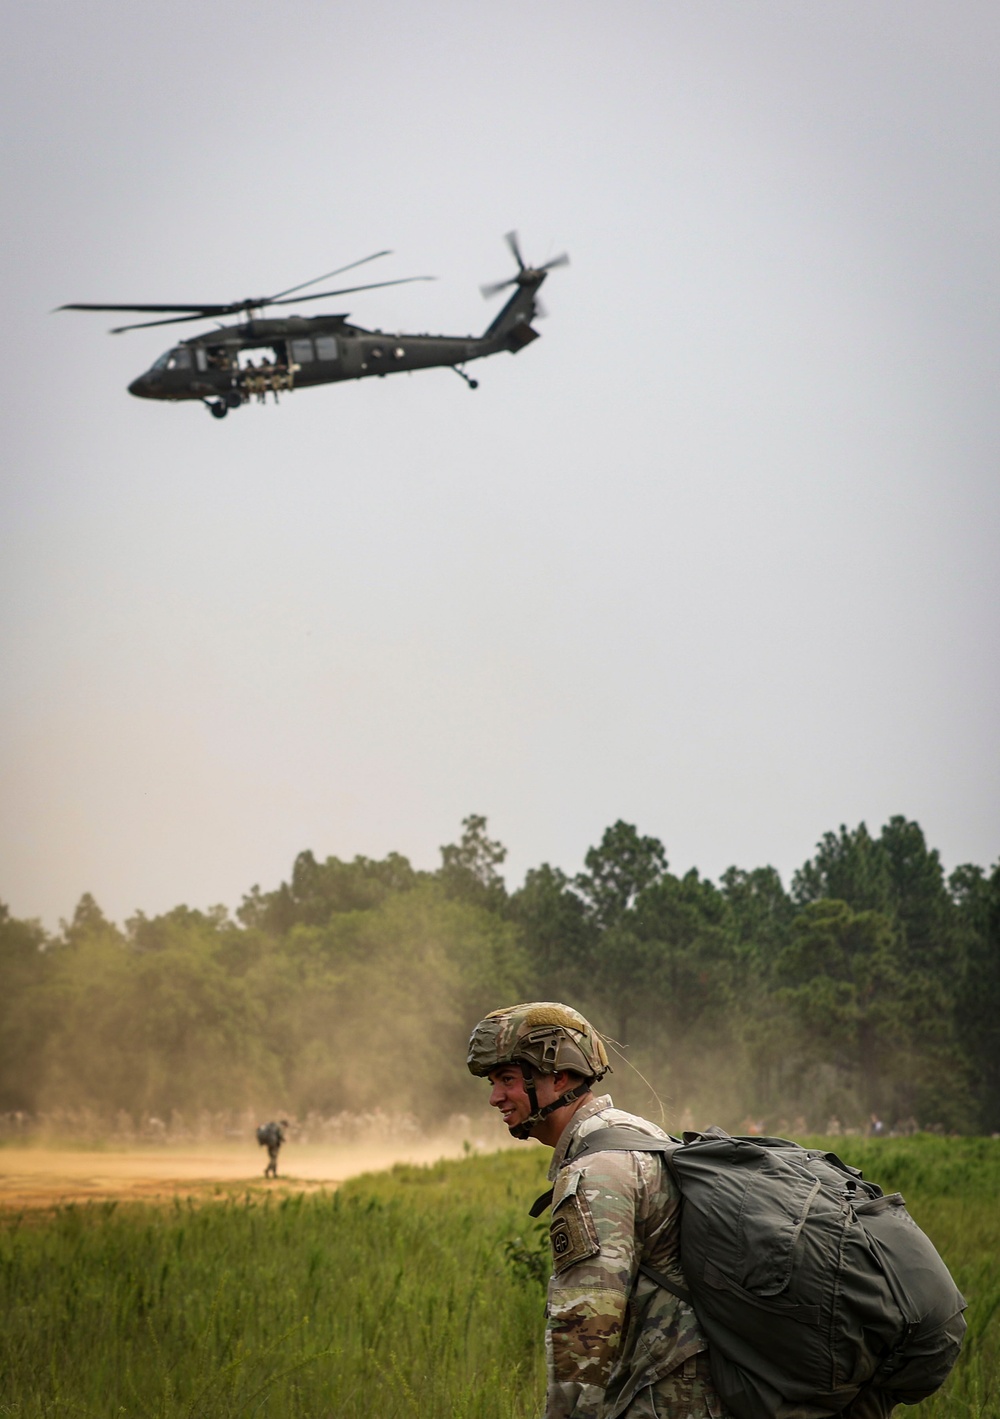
x: 45, y: 1177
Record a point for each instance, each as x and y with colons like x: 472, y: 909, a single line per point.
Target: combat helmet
x: 542, y: 1037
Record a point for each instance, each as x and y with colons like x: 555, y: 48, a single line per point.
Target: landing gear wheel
x: 216, y: 408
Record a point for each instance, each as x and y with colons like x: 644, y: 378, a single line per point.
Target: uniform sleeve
x: 594, y: 1256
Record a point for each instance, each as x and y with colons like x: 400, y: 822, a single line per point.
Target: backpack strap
x: 618, y: 1138
x: 540, y: 1203
x: 681, y: 1292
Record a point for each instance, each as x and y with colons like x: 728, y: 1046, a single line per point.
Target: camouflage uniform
x: 688, y: 1390
x: 618, y: 1346
x: 616, y: 1343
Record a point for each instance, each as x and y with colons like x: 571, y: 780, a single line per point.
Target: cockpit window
x: 174, y: 360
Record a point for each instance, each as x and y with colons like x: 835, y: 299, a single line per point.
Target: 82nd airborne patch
x: 572, y: 1233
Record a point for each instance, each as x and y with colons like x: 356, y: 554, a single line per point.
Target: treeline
x: 869, y: 987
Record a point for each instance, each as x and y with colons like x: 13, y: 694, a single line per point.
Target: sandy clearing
x: 32, y: 1178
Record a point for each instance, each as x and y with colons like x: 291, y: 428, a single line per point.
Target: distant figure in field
x: 271, y: 1135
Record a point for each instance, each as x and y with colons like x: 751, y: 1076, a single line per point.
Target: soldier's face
x: 509, y: 1094
x: 511, y: 1097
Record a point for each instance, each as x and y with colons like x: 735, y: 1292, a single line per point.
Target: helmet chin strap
x: 524, y: 1130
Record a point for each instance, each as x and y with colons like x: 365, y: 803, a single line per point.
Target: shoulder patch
x: 572, y: 1231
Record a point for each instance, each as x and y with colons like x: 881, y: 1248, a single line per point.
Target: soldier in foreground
x: 617, y: 1343
x: 272, y: 1135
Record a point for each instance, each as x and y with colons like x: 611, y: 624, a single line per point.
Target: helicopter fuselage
x: 233, y: 364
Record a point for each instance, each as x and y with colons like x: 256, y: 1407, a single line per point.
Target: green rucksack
x: 811, y: 1286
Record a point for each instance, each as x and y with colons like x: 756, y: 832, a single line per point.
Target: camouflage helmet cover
x: 544, y: 1034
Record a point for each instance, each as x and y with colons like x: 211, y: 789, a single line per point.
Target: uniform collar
x: 585, y: 1111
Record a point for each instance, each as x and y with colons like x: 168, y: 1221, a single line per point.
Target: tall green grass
x: 409, y: 1293
x: 389, y: 1297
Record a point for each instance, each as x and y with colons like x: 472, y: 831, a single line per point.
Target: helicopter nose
x: 140, y: 387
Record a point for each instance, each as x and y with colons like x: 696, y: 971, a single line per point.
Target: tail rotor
x: 515, y: 250
x: 526, y: 275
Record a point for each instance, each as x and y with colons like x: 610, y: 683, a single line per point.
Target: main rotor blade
x: 349, y: 290
x: 229, y: 307
x: 176, y: 320
x: 511, y: 239
x: 326, y: 276
x: 209, y: 311
x: 561, y: 260
x: 198, y: 309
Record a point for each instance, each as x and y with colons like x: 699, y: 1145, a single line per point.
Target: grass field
x: 408, y: 1293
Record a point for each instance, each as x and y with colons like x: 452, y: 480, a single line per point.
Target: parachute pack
x: 811, y: 1285
x: 269, y: 1135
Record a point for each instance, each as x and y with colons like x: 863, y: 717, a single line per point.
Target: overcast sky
x: 718, y: 555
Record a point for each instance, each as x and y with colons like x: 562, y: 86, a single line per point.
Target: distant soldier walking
x: 272, y: 1135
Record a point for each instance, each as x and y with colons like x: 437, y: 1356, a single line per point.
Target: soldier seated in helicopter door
x: 262, y: 373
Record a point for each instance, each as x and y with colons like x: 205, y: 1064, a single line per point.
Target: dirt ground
x: 44, y: 1178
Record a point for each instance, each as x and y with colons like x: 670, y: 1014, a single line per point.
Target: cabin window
x: 200, y: 358
x: 302, y: 351
x: 326, y: 347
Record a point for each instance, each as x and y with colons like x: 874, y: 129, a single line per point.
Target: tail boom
x: 512, y: 328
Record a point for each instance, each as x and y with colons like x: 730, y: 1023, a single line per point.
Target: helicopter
x: 227, y: 367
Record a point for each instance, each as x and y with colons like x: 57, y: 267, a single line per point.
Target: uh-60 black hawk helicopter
x: 232, y: 364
